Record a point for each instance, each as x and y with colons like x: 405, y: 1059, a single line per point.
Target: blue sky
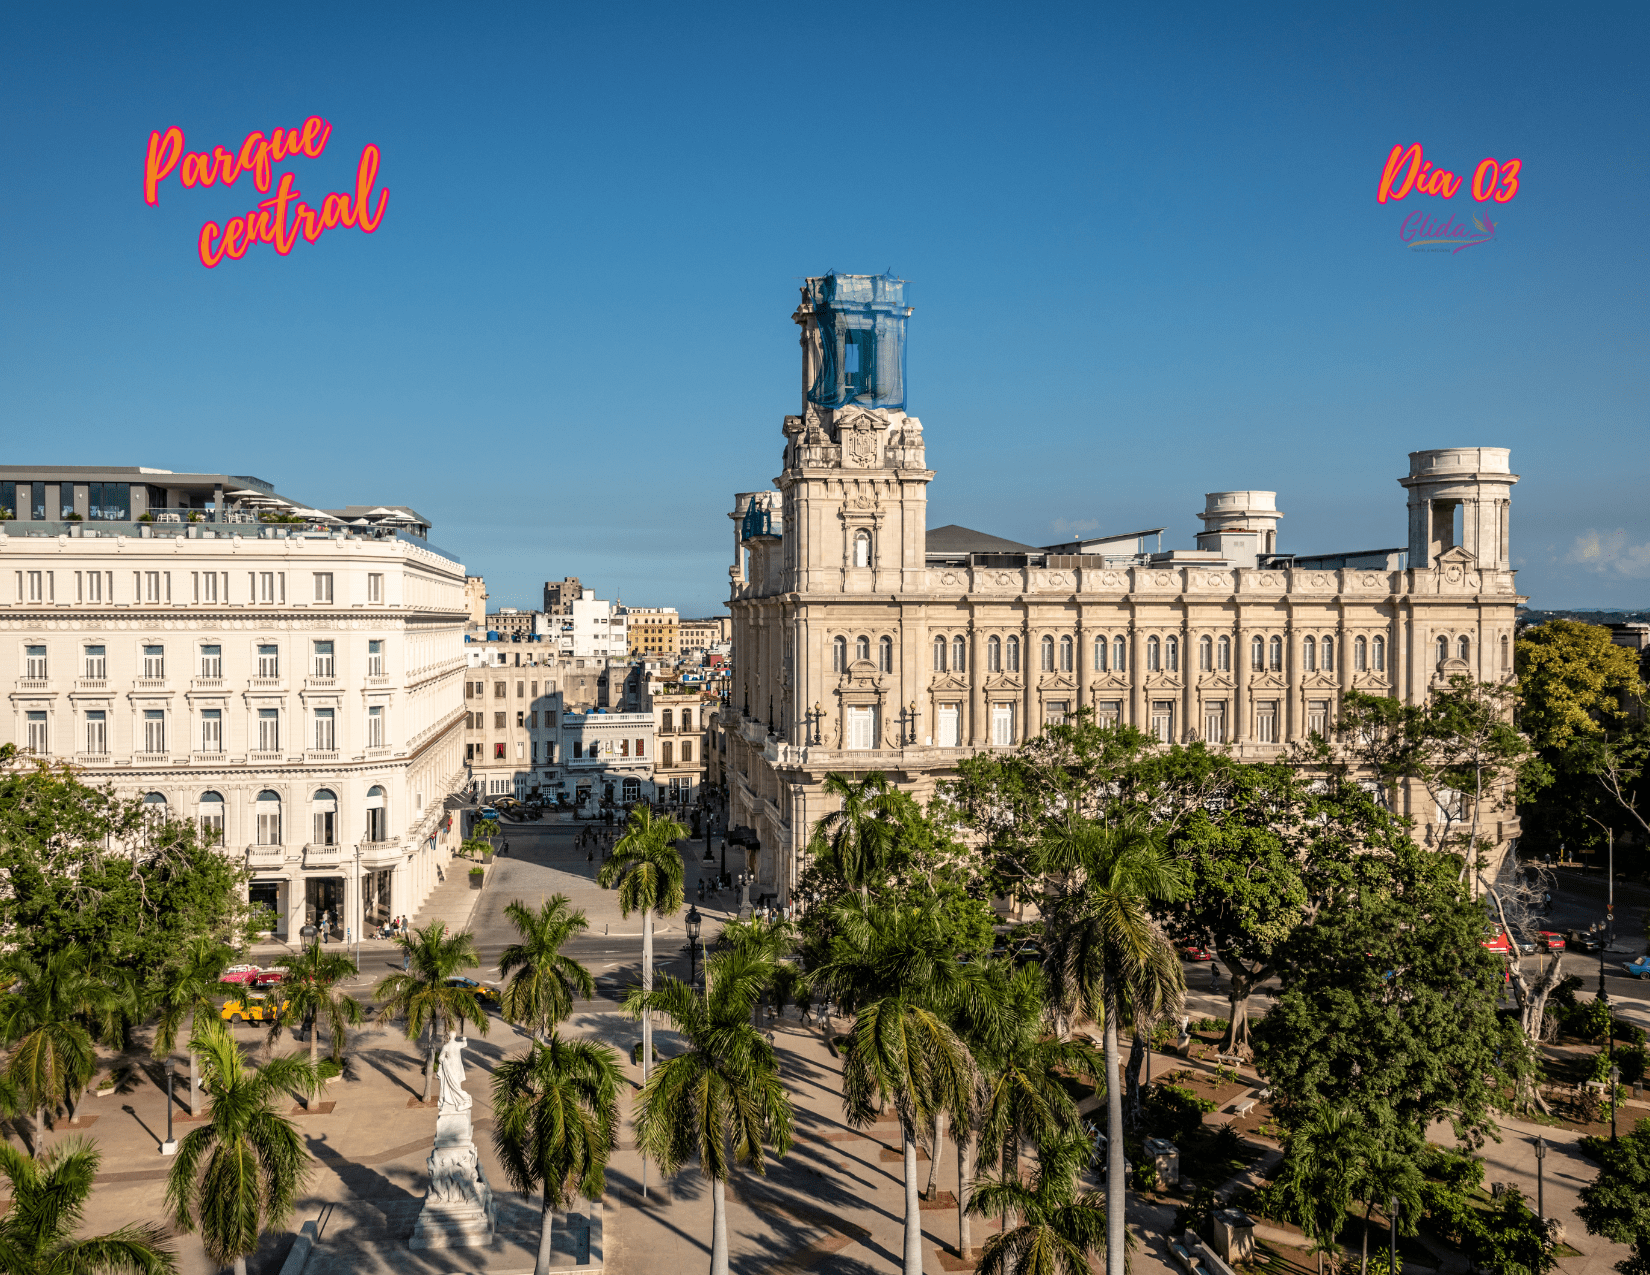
x: 1143, y: 246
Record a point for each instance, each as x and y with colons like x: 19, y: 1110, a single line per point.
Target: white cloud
x: 1067, y: 527
x: 1608, y: 552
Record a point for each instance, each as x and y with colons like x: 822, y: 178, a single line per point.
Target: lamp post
x: 693, y: 922
x: 1540, y: 1178
x: 1392, y: 1222
x: 170, y: 1146
x: 1615, y: 1079
x: 813, y: 719
x: 361, y: 908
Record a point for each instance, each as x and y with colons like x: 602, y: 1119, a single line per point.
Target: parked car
x: 1638, y: 967
x: 255, y: 1007
x: 1583, y: 940
x: 267, y: 978
x: 481, y: 991
x: 1551, y: 941
x: 1496, y: 941
x: 1195, y: 953
x: 241, y: 974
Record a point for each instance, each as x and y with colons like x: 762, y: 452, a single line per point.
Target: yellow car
x: 481, y: 991
x: 254, y: 1008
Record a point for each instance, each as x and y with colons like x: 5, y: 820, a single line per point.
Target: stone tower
x: 1477, y: 482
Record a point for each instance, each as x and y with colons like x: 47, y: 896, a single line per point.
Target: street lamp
x: 1540, y: 1178
x: 1615, y: 1078
x: 170, y: 1146
x: 693, y: 923
x: 813, y: 719
x: 361, y: 909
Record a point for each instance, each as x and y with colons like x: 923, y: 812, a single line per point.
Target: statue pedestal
x: 458, y: 1211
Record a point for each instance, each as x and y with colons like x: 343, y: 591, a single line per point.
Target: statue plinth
x: 459, y: 1209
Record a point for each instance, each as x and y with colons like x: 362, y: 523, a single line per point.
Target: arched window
x: 1378, y: 652
x: 154, y: 803
x: 1360, y: 655
x: 1171, y: 654
x: 324, y: 807
x: 1100, y: 654
x: 1443, y: 649
x: 211, y: 817
x: 1506, y: 653
x: 1257, y: 654
x: 885, y: 654
x: 1154, y: 655
x: 1463, y: 648
x: 862, y: 647
x: 1065, y: 655
x: 862, y: 548
x: 1225, y: 655
x: 1328, y: 651
x: 1276, y: 652
x: 268, y: 808
x: 994, y: 654
x: 667, y: 721
x: 1119, y: 655
x: 1309, y: 653
x: 1013, y: 653
x: 939, y: 655
x: 378, y: 821
x: 959, y: 654
x: 1205, y: 654
x: 1047, y: 648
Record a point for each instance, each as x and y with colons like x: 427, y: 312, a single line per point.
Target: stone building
x: 559, y: 595
x: 698, y: 635
x: 475, y: 600
x: 652, y: 630
x: 295, y: 687
x: 680, y: 728
x: 863, y: 641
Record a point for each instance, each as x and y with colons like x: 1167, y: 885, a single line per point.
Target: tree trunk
x: 647, y: 986
x: 718, y: 1228
x: 314, y: 1050
x: 1114, y: 1145
x: 240, y: 1265
x: 429, y: 1063
x: 934, y: 1158
x: 194, y: 1067
x: 546, y: 1222
x: 965, y: 1170
x: 913, y: 1209
x: 39, y: 1133
x: 1363, y: 1266
x: 1132, y: 1107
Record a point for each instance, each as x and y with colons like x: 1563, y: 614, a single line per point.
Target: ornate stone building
x: 863, y: 641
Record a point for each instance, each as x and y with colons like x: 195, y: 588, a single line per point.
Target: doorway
x: 324, y: 898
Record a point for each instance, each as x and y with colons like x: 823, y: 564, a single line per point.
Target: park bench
x: 1244, y: 1106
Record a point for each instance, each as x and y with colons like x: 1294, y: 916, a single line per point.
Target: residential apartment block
x: 652, y: 630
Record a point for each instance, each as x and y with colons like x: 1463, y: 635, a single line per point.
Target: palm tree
x: 557, y: 1114
x: 1058, y: 1229
x: 1324, y: 1161
x: 769, y: 942
x: 311, y: 989
x: 647, y: 867
x: 187, y: 991
x: 721, y: 1099
x: 422, y: 995
x: 43, y: 1018
x: 891, y: 962
x: 1382, y: 1174
x: 1104, y: 950
x: 857, y: 838
x: 238, y: 1176
x: 540, y: 994
x: 48, y: 1200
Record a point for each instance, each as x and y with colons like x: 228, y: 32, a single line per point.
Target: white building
x: 296, y: 688
x: 595, y: 629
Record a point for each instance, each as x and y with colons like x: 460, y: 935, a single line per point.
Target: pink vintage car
x: 243, y: 974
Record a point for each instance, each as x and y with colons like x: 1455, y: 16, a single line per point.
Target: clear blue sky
x: 1143, y: 242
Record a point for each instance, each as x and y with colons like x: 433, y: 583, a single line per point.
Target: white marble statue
x: 452, y: 1096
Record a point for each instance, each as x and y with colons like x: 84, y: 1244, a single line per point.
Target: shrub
x: 1144, y: 1177
x: 1631, y: 1062
x: 1589, y: 1021
x: 1565, y: 992
x: 1175, y: 1113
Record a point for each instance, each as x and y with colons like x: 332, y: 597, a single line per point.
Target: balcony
x: 265, y: 758
x: 152, y: 684
x: 378, y: 752
x: 321, y: 683
x: 378, y: 679
x: 92, y: 759
x: 208, y: 759
x: 315, y: 755
x: 315, y: 853
x: 34, y: 684
x: 265, y: 855
x: 92, y: 684
x: 207, y: 684
x: 267, y: 684
x: 151, y: 759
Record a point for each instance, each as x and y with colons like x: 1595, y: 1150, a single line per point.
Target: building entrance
x: 375, y: 899
x: 324, y: 905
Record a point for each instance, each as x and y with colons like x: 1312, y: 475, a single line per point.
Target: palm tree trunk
x: 933, y: 1189
x: 913, y: 1209
x: 1363, y: 1266
x: 965, y: 1170
x: 718, y: 1229
x: 429, y: 1063
x: 1114, y: 1145
x: 240, y: 1265
x: 647, y: 986
x: 39, y: 1132
x: 546, y: 1220
x: 194, y: 1068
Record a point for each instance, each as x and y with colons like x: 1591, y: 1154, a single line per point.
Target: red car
x: 268, y: 978
x: 1197, y: 954
x: 243, y: 974
x: 1497, y: 942
x: 1551, y: 941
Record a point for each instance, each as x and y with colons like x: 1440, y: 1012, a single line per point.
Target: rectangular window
x: 154, y: 662
x: 578, y: 748
x: 269, y: 823
x: 212, y: 730
x: 94, y: 586
x: 97, y: 665
x: 323, y: 659
x: 36, y: 585
x: 640, y: 747
x: 211, y: 661
x: 498, y: 721
x: 375, y: 727
x: 1109, y: 712
x: 323, y: 586
x: 1054, y: 712
x: 375, y: 586
x: 269, y: 730
x: 326, y: 827
x: 151, y: 586
x: 375, y: 659
x: 498, y: 752
x: 154, y: 730
x: 97, y: 733
x: 1266, y: 721
x: 36, y: 722
x: 861, y: 728
x: 687, y: 750
x: 1317, y: 717
x: 263, y: 587
x: 269, y: 660
x: 205, y: 584
x: 1214, y: 722
x: 1002, y: 725
x: 34, y: 663
x: 325, y: 739
x: 498, y: 690
x: 948, y: 718
x: 521, y: 751
x: 1163, y: 721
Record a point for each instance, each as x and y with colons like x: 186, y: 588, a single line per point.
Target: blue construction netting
x: 860, y: 340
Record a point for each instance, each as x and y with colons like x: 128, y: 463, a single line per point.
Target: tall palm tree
x: 542, y: 980
x: 720, y: 1100
x: 48, y: 1201
x: 891, y: 962
x: 647, y: 867
x: 1324, y: 1160
x: 43, y: 1018
x: 857, y: 837
x: 557, y: 1114
x: 186, y: 992
x: 421, y: 996
x: 1102, y: 950
x: 238, y: 1175
x: 312, y: 990
x: 769, y: 942
x: 1385, y: 1173
x: 1058, y: 1227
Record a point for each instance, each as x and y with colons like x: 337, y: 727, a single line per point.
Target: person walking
x: 1214, y: 975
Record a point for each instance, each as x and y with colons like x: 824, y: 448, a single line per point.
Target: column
x: 1239, y: 732
x: 1137, y: 685
x: 1031, y: 655
x: 1292, y: 678
x: 1188, y: 697
x: 977, y: 724
x: 1080, y: 663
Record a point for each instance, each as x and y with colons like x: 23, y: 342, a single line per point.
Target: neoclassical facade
x: 297, y: 690
x: 863, y: 641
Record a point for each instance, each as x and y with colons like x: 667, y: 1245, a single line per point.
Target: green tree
x: 422, y: 996
x: 768, y: 942
x: 721, y: 1101
x: 1512, y: 1239
x: 1574, y: 681
x: 856, y: 840
x: 48, y: 1203
x: 313, y: 989
x: 557, y: 1115
x: 1059, y: 1227
x: 1385, y: 1173
x: 43, y: 1018
x: 187, y: 990
x: 1324, y: 1160
x: 238, y: 1176
x: 1616, y: 1204
x: 647, y: 868
x: 541, y: 979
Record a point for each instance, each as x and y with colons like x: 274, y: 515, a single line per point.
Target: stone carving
x: 1161, y: 579
x: 1057, y: 578
x: 458, y: 1210
x: 453, y: 1097
x: 1320, y: 582
x: 1111, y: 580
x: 948, y: 577
x: 862, y: 448
x: 1370, y: 582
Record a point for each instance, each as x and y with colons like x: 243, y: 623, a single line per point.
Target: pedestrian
x: 1214, y: 974
x: 406, y: 958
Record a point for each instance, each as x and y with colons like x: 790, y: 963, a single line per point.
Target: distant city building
x: 475, y: 599
x: 698, y: 635
x: 559, y: 595
x: 593, y: 628
x: 516, y: 626
x: 679, y: 721
x: 652, y: 630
